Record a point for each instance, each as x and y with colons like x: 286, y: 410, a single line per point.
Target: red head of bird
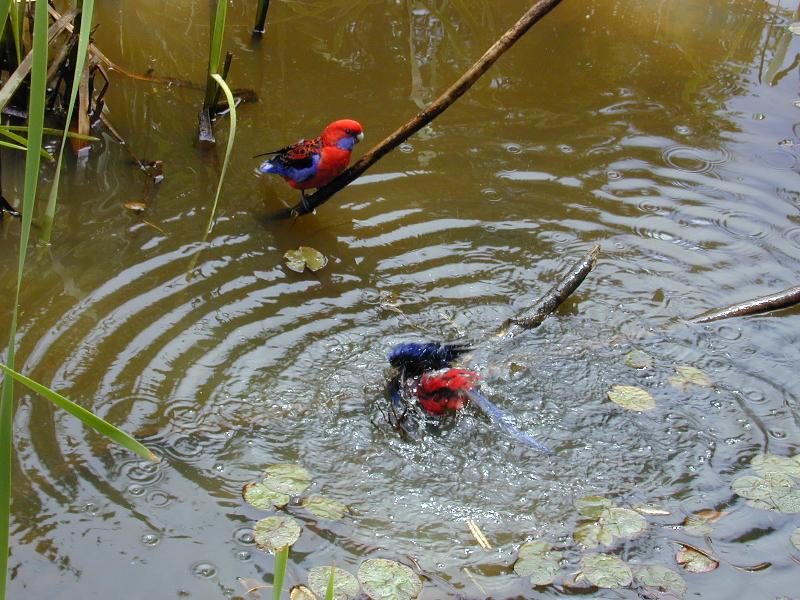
x: 339, y: 131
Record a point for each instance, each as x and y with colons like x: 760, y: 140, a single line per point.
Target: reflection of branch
x: 774, y: 301
x: 438, y: 106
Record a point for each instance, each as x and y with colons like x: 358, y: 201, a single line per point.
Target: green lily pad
x: 796, y: 538
x: 687, y: 375
x: 592, y: 506
x: 694, y: 525
x: 389, y: 580
x: 631, y: 397
x: 305, y: 256
x: 345, y: 584
x: 612, y: 522
x: 772, y: 463
x: 263, y: 497
x: 538, y: 561
x: 637, y: 359
x: 695, y: 561
x: 287, y: 479
x: 661, y: 578
x: 274, y: 533
x: 606, y: 571
x: 774, y: 491
x: 324, y: 507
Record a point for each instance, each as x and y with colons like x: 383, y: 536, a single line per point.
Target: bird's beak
x: 360, y: 137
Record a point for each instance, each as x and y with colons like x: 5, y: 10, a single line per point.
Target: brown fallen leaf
x: 695, y: 560
x: 136, y: 206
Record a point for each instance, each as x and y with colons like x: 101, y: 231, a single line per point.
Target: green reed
x: 215, y: 51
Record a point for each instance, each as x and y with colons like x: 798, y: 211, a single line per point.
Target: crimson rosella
x: 422, y: 373
x: 315, y: 162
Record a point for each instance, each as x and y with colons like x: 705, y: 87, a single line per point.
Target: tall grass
x: 215, y: 50
x: 228, y: 147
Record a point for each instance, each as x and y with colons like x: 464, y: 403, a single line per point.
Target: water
x: 649, y: 127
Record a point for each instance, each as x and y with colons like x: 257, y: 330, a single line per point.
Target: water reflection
x: 627, y: 122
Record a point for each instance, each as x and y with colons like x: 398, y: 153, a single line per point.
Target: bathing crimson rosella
x: 423, y: 373
x: 315, y: 162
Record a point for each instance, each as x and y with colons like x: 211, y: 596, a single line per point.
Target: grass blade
x: 228, y: 147
x: 329, y: 589
x: 215, y: 51
x: 87, y: 417
x: 12, y: 146
x: 23, y: 143
x: 32, y: 160
x: 281, y: 560
x: 5, y: 6
x: 87, y: 11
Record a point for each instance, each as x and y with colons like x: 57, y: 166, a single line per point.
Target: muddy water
x: 653, y: 128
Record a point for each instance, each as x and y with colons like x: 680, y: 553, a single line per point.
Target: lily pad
x: 631, y: 397
x: 389, y: 580
x: 345, y: 584
x: 695, y: 560
x: 260, y: 496
x: 687, y: 375
x: 606, y: 571
x: 774, y: 491
x: 287, y: 479
x: 274, y: 533
x: 638, y: 359
x: 305, y: 256
x: 538, y: 561
x: 324, y: 507
x: 796, y: 538
x: 699, y: 523
x: 592, y: 506
x: 661, y: 578
x: 772, y: 463
x: 612, y: 522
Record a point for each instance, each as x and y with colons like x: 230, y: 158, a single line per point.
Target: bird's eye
x: 348, y: 131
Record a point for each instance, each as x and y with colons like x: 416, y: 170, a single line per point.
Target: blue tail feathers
x: 503, y: 420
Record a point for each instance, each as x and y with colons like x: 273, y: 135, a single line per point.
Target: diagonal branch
x: 438, y: 106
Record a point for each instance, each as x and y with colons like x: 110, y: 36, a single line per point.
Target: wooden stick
x: 438, y: 106
x: 261, y: 18
x: 554, y: 297
x: 770, y: 302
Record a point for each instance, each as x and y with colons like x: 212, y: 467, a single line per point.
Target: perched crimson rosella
x: 422, y: 373
x: 315, y: 162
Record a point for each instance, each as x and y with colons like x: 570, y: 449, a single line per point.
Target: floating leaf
x: 772, y: 463
x: 796, y: 538
x: 688, y: 375
x: 274, y: 533
x: 606, y: 571
x: 287, y: 479
x: 592, y: 534
x: 538, y: 561
x: 631, y: 397
x: 638, y: 359
x: 612, y: 522
x: 661, y: 578
x: 795, y: 28
x: 301, y: 592
x: 251, y: 586
x: 260, y: 496
x: 694, y: 525
x: 136, y: 206
x: 324, y: 507
x: 695, y: 560
x: 774, y: 491
x: 651, y: 510
x: 387, y: 579
x: 345, y: 585
x: 592, y: 506
x: 305, y: 256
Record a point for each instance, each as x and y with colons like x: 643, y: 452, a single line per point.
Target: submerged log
x: 438, y: 106
x: 554, y: 297
x: 762, y: 304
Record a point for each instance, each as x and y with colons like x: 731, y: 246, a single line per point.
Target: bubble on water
x: 683, y: 129
x: 204, y: 570
x: 135, y: 489
x: 513, y: 148
x: 612, y: 175
x: 150, y: 539
x: 777, y: 433
x: 566, y: 149
x: 219, y: 467
x: 406, y: 148
x: 244, y: 535
x: 243, y: 555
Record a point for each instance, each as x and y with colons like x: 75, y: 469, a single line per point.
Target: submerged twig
x: 770, y: 302
x: 554, y: 297
x: 261, y: 18
x: 438, y: 106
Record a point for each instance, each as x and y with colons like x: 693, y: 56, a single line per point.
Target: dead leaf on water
x: 136, y: 206
x: 606, y: 571
x: 699, y: 523
x: 631, y: 397
x: 661, y: 579
x: 652, y: 510
x: 301, y: 592
x: 687, y: 375
x: 637, y: 359
x: 305, y: 256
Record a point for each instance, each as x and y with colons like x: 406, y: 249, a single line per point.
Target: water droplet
x: 135, y: 489
x: 204, y: 570
x: 150, y: 539
x: 759, y: 116
x: 243, y: 555
x: 406, y: 148
x: 244, y: 535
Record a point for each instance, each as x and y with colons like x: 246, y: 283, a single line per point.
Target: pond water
x: 662, y: 130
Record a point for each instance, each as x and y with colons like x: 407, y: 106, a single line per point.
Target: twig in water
x: 770, y: 302
x: 438, y: 106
